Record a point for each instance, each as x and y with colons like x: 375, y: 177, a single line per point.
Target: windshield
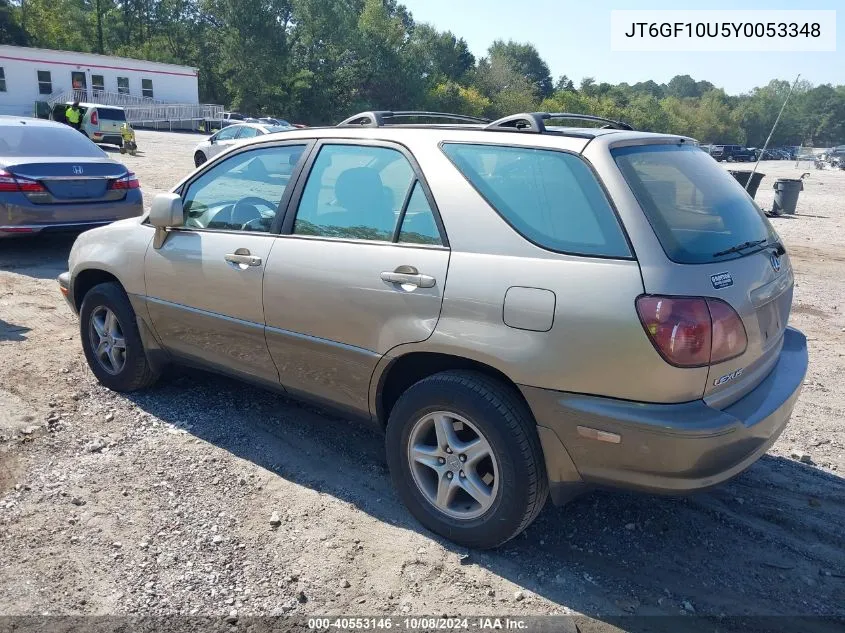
x: 21, y: 141
x: 698, y: 211
x: 279, y: 128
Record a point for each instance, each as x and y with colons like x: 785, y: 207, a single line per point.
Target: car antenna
x: 766, y: 144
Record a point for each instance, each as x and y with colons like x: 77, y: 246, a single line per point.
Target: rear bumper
x: 17, y: 219
x: 664, y: 448
x: 110, y: 139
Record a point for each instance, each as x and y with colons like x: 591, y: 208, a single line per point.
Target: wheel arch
x: 400, y: 372
x: 86, y: 279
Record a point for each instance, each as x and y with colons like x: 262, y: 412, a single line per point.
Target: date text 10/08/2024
x: 479, y: 623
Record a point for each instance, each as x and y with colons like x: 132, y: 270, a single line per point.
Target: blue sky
x: 574, y: 39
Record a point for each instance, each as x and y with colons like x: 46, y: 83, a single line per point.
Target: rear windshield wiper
x: 740, y: 247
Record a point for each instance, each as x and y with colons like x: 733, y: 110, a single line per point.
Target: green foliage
x: 318, y: 61
x: 525, y: 60
x: 11, y: 30
x: 455, y: 98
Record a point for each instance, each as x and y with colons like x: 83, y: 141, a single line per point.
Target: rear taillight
x: 729, y: 337
x: 8, y: 182
x: 692, y: 331
x: 94, y: 119
x: 129, y: 181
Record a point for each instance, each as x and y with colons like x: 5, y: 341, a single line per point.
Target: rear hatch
x: 719, y: 245
x: 69, y: 180
x: 107, y: 121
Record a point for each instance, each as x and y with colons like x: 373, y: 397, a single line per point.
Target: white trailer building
x: 30, y: 75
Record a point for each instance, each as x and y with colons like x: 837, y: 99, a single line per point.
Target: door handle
x: 242, y: 258
x: 410, y: 276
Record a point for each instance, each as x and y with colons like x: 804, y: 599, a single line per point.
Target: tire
x: 199, y: 159
x: 519, y: 486
x: 135, y: 372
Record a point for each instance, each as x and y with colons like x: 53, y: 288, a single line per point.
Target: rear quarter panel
x: 596, y: 344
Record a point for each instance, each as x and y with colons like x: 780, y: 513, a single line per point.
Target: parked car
x: 100, y: 123
x: 732, y: 153
x: 273, y: 121
x: 224, y: 138
x: 230, y: 118
x: 52, y: 178
x: 770, y: 154
x: 523, y: 308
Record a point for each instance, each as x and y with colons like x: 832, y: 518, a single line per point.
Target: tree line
x: 318, y: 61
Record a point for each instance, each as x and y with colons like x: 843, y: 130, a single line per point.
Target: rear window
x: 28, y: 141
x: 550, y: 198
x: 111, y: 114
x: 696, y: 208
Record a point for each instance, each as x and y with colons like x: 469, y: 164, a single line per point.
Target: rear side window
x: 111, y: 114
x: 550, y: 198
x: 697, y: 209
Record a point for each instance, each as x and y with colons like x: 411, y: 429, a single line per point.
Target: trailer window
x: 123, y: 85
x: 98, y: 83
x: 2, y: 80
x: 45, y: 82
x: 147, y: 88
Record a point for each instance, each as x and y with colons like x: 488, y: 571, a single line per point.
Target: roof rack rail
x: 378, y: 118
x: 534, y: 122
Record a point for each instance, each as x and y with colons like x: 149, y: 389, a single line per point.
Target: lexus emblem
x: 775, y: 262
x: 77, y: 169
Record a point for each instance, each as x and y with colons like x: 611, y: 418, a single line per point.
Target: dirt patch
x: 810, y: 311
x: 8, y: 471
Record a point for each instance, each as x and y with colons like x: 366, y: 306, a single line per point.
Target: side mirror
x: 166, y: 212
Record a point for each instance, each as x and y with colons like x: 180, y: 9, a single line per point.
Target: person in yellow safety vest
x: 128, y: 135
x: 73, y: 115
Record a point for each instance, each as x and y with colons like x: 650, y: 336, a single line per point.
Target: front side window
x: 147, y: 88
x: 359, y: 192
x: 249, y: 132
x: 549, y: 197
x: 45, y: 82
x: 2, y: 80
x: 697, y: 209
x: 243, y: 192
x: 123, y: 85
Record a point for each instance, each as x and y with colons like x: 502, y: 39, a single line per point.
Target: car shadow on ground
x: 41, y: 256
x: 767, y: 543
x: 11, y: 332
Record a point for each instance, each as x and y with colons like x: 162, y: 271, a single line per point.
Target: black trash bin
x: 786, y: 195
x: 742, y: 178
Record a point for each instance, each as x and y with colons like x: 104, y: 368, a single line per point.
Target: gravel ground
x: 204, y: 496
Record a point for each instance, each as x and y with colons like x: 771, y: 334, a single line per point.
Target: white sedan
x: 224, y: 138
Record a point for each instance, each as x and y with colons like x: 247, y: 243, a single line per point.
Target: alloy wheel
x: 453, y: 465
x: 107, y: 340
